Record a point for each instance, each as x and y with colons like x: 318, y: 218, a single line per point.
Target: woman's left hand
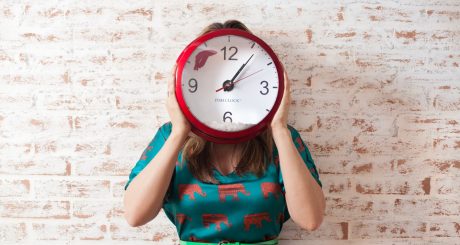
x: 279, y: 120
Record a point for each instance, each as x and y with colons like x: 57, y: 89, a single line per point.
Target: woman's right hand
x: 180, y: 124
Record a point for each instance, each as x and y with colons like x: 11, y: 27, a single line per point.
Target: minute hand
x: 241, y: 68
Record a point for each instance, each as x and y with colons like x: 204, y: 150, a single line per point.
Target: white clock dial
x: 245, y: 101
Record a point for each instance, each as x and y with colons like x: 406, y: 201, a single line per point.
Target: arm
x: 144, y: 196
x: 144, y: 199
x: 304, y: 196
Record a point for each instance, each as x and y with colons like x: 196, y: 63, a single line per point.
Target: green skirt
x: 270, y: 242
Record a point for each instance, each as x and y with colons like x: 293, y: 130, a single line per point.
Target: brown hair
x: 256, y: 152
x: 227, y: 24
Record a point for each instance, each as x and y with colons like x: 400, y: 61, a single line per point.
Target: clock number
x: 193, y: 86
x: 265, y: 87
x: 231, y: 56
x: 227, y: 117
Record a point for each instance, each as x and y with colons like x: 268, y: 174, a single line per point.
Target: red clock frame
x: 201, y: 129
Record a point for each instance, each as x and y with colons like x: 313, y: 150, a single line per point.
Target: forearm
x: 304, y: 197
x: 144, y: 196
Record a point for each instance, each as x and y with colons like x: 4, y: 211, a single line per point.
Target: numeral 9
x: 193, y: 86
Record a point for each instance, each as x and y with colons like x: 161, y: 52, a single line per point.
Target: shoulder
x: 296, y: 137
x: 293, y: 130
x: 165, y: 129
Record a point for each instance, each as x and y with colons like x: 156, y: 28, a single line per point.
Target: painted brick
x: 35, y: 209
x: 69, y: 231
x: 389, y: 229
x: 14, y: 187
x: 13, y: 231
x: 95, y: 210
x: 72, y: 188
x: 403, y: 186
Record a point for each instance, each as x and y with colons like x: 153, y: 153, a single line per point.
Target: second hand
x: 240, y: 79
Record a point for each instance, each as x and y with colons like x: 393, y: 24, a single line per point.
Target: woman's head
x: 256, y: 152
x: 235, y: 24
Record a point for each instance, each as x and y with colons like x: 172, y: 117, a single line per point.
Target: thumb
x: 172, y: 77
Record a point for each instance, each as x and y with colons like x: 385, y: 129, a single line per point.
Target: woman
x: 221, y: 193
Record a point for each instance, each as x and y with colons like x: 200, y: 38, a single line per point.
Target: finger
x: 286, y: 75
x: 169, y: 86
x: 171, y: 80
x: 171, y: 90
x: 287, y: 82
x: 173, y: 71
x: 287, y: 88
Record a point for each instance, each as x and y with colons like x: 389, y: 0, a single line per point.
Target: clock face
x: 230, y: 82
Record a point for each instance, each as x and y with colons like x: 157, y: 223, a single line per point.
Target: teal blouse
x: 240, y: 208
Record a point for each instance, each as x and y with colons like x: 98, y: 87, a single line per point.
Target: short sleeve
x: 150, y: 151
x: 306, y: 156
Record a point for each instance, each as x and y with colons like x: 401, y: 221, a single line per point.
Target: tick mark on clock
x: 269, y: 63
x: 275, y: 87
x: 229, y: 38
x: 267, y: 109
x: 253, y: 45
x: 205, y: 44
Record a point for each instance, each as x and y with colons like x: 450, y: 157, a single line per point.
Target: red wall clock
x: 229, y: 84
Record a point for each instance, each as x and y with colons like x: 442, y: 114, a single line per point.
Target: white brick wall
x: 375, y: 90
